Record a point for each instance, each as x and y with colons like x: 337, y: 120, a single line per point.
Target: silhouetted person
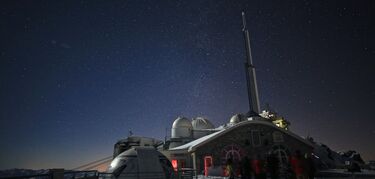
x: 258, y: 167
x: 229, y: 168
x: 273, y: 166
x: 297, y: 164
x: 354, y: 167
x: 310, y: 166
x: 246, y: 168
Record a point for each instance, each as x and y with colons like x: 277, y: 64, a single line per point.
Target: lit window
x: 174, y: 164
x: 207, y: 164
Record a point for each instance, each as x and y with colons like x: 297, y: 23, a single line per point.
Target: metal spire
x: 252, y: 87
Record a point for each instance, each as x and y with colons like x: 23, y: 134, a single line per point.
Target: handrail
x: 84, y: 171
x: 92, y: 163
x: 181, y: 173
x: 48, y: 175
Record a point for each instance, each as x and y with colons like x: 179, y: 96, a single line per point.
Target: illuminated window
x: 174, y: 164
x: 207, y: 164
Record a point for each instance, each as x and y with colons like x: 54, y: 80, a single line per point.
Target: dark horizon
x: 77, y: 76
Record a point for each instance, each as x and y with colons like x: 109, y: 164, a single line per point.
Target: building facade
x: 251, y: 139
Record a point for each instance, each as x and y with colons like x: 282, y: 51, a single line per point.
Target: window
x: 255, y: 135
x: 174, y: 164
x: 277, y: 136
x: 207, y: 164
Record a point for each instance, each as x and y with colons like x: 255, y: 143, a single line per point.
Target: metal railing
x: 186, y: 173
x: 36, y: 176
x: 81, y: 174
x: 180, y: 174
x: 134, y: 175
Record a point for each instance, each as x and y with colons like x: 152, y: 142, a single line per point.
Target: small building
x: 242, y: 137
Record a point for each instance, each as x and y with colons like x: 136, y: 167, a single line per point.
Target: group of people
x: 298, y: 167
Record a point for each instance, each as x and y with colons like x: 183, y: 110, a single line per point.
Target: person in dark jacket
x: 246, y: 168
x: 258, y: 167
x: 273, y: 166
x: 229, y: 168
x: 309, y: 166
x: 297, y: 164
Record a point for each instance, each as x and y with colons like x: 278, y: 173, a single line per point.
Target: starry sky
x: 76, y: 76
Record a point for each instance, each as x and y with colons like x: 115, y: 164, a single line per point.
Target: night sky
x: 77, y: 76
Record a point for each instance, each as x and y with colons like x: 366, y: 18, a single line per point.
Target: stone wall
x: 239, y: 143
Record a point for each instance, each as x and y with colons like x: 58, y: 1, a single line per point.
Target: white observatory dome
x: 181, y: 128
x: 201, y: 123
x: 200, y: 126
x: 237, y: 118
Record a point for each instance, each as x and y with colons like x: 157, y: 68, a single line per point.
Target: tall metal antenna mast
x: 252, y: 87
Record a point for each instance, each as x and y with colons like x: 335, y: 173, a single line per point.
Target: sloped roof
x: 193, y: 145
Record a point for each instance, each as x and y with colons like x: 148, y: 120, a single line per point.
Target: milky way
x: 77, y: 76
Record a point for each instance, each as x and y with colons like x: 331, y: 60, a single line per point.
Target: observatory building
x: 200, y: 146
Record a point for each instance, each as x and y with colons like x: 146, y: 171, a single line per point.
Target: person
x: 258, y: 169
x: 273, y: 166
x: 246, y: 168
x: 229, y: 168
x: 354, y: 167
x: 310, y: 166
x: 296, y: 162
